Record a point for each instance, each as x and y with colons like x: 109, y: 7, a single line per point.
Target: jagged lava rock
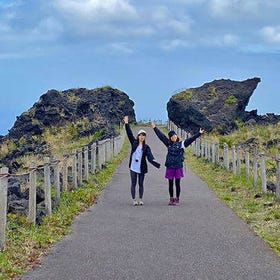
x: 97, y: 107
x: 89, y: 111
x: 217, y: 104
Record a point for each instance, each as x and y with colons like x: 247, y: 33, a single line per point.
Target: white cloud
x: 151, y: 24
x: 144, y: 30
x: 48, y: 29
x: 11, y: 4
x: 180, y: 26
x: 230, y: 40
x: 271, y: 34
x: 227, y: 40
x: 92, y: 19
x: 165, y: 20
x: 96, y: 10
x: 121, y: 47
x: 190, y: 1
x: 225, y: 8
x: 4, y: 28
x: 175, y: 44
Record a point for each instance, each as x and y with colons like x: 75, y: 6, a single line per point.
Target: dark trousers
x: 178, y: 187
x: 134, y: 176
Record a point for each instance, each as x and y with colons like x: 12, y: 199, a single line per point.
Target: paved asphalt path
x: 201, y: 239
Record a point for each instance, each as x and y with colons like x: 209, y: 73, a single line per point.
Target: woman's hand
x: 153, y: 125
x: 125, y: 119
x: 201, y: 130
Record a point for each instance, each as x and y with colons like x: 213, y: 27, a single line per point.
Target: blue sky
x: 147, y: 48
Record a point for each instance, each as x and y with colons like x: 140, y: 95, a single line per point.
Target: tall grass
x: 261, y: 212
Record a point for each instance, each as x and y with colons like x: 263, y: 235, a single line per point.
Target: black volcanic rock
x: 97, y: 107
x: 88, y: 111
x: 215, y: 105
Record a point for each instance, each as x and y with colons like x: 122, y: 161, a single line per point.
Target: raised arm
x: 188, y: 141
x: 128, y: 130
x: 160, y: 135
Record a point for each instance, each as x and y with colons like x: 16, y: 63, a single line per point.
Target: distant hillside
x: 85, y: 111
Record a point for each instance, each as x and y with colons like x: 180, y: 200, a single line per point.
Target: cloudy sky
x: 147, y: 48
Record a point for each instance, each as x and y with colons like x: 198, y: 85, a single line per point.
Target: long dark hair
x: 143, y: 143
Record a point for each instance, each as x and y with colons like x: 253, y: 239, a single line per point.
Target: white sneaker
x: 141, y: 202
x: 135, y: 203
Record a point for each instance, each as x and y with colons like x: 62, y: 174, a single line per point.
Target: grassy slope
x: 262, y: 214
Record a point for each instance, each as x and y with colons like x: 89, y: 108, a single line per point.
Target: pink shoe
x: 176, y: 200
x: 172, y: 201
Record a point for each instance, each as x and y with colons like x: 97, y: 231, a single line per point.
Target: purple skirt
x: 172, y: 173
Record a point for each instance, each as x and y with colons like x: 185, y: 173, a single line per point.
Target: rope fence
x: 239, y: 161
x: 66, y: 173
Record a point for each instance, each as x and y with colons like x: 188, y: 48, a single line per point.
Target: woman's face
x: 141, y: 137
x: 174, y: 138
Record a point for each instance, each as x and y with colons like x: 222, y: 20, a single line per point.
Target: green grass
x: 26, y: 244
x: 262, y: 214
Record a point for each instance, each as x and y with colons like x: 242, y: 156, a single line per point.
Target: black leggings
x: 178, y: 187
x: 133, y: 176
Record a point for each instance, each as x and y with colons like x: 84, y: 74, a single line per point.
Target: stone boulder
x: 215, y: 105
x: 87, y: 111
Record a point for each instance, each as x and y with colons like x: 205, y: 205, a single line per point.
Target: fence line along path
x: 199, y: 239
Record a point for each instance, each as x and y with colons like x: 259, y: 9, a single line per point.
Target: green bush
x: 231, y: 100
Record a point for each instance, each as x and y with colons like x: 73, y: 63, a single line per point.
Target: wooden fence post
x: 111, y: 147
x: 56, y: 179
x: 255, y: 170
x: 278, y: 177
x: 80, y: 166
x: 197, y: 147
x: 233, y: 159
x: 32, y: 194
x: 238, y: 160
x: 226, y: 157
x: 47, y: 180
x: 99, y: 154
x: 202, y: 148
x: 86, y: 162
x: 115, y: 145
x: 93, y: 158
x: 209, y: 151
x: 107, y: 150
x: 247, y: 164
x: 74, y: 169
x: 206, y: 150
x: 64, y: 172
x: 3, y: 205
x: 217, y: 152
x: 263, y: 173
x: 213, y: 158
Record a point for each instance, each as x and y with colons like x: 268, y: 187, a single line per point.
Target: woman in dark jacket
x: 140, y: 151
x: 175, y: 159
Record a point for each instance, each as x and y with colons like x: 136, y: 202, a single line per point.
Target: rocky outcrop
x: 215, y: 105
x: 88, y: 111
x: 252, y: 118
